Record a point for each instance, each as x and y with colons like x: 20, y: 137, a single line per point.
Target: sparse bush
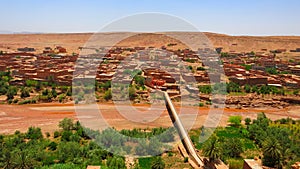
x: 27, y: 102
x: 186, y: 159
x: 16, y: 101
x: 201, y: 104
x: 66, y: 124
x: 11, y: 92
x: 34, y: 133
x: 235, y: 121
x: 47, y: 134
x: 235, y: 164
x: 10, y: 101
x: 25, y: 92
x: 157, y: 163
x: 61, y: 98
x: 56, y: 134
x: 200, y: 68
x: 108, y: 95
x: 116, y: 163
x: 247, y: 121
x: 52, y: 146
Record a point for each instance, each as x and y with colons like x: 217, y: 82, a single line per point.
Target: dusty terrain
x: 254, y: 43
x: 47, y: 116
x: 10, y: 42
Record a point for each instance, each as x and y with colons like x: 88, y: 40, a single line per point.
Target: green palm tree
x: 6, y: 159
x: 287, y: 155
x: 272, y: 152
x: 116, y: 163
x: 23, y: 160
x: 211, y: 148
x: 157, y: 163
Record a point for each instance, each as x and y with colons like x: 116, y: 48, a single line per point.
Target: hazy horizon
x: 40, y: 33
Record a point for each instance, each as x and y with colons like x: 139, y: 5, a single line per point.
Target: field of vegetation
x: 32, y: 91
x: 233, y: 88
x: 275, y: 143
x: 72, y: 147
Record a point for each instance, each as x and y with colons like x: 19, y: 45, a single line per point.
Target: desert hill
x: 10, y: 42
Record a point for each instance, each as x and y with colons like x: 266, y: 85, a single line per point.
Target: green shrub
x: 108, y: 95
x: 61, y: 98
x: 25, y: 92
x: 34, y: 133
x: 27, y: 102
x: 201, y: 68
x: 157, y: 163
x: 56, y: 134
x: 52, y: 146
x: 247, y: 121
x: 66, y: 124
x: 186, y: 159
x: 145, y: 162
x: 235, y: 121
x: 10, y: 101
x: 201, y: 104
x: 116, y: 163
x: 235, y: 164
x: 47, y: 134
x: 16, y: 101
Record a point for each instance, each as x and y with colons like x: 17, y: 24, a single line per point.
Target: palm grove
x: 72, y: 147
x: 275, y: 142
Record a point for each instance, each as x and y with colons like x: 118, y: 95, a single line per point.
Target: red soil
x: 47, y: 116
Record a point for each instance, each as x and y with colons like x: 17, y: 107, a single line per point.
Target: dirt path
x: 47, y: 116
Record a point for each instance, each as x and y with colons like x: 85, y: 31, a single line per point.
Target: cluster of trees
x: 157, y: 163
x: 70, y: 147
x: 221, y: 88
x: 278, y: 144
x: 144, y: 140
x: 139, y: 80
x: 103, y: 89
x: 167, y: 134
x: 225, y: 54
x: 264, y: 89
x: 247, y: 67
x: 232, y: 87
x: 63, y: 150
x: 103, y: 86
x: 224, y: 145
x: 272, y: 71
x: 24, y: 92
x: 125, y: 89
x: 201, y: 68
x: 132, y: 73
x: 5, y: 88
x: 190, y: 60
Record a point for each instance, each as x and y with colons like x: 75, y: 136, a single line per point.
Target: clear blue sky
x: 235, y: 17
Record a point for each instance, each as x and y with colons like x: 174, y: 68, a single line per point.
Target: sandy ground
x: 47, y: 116
x: 75, y: 40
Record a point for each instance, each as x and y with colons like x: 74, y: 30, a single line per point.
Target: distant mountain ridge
x: 23, y: 32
